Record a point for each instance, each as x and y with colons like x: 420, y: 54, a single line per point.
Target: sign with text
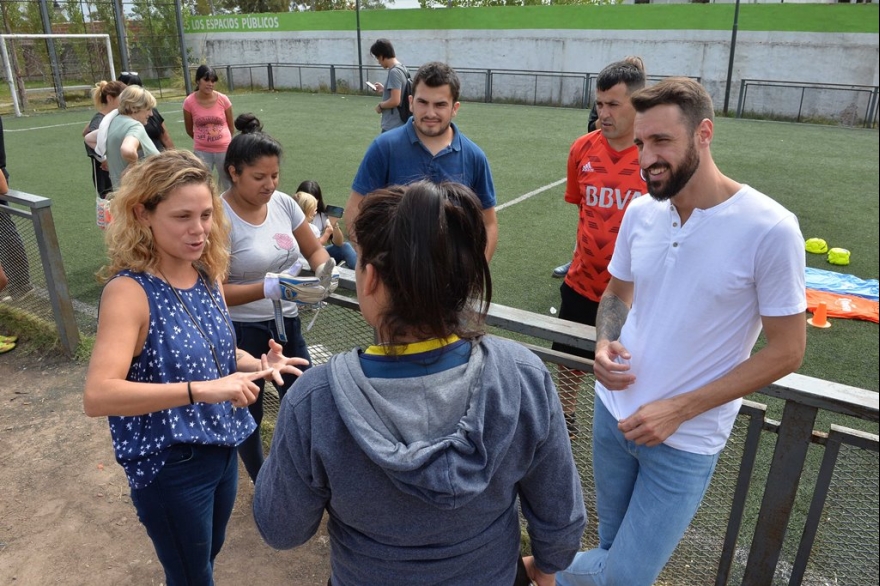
x: 237, y: 23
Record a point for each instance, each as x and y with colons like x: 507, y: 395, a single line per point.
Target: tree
x: 252, y: 6
x: 152, y: 34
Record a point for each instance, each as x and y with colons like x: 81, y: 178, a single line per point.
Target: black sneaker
x: 562, y: 270
x: 571, y: 424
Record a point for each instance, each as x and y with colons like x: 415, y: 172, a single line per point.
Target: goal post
x: 7, y: 63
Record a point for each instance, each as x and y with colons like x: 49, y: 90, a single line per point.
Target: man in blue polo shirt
x: 429, y: 146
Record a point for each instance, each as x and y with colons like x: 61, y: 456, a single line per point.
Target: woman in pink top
x: 208, y: 118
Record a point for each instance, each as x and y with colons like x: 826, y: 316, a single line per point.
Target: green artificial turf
x: 827, y: 175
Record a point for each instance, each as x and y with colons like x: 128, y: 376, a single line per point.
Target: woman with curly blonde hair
x: 165, y: 369
x: 130, y: 243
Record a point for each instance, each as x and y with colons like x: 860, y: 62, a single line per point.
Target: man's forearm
x: 350, y: 214
x: 490, y: 221
x: 610, y: 317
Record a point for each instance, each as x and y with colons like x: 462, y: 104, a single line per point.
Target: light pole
x: 732, y: 51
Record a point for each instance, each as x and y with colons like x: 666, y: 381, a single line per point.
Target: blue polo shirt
x: 397, y: 157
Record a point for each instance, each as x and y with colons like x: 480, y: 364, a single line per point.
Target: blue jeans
x: 645, y: 500
x: 343, y: 253
x: 253, y: 337
x: 186, y: 508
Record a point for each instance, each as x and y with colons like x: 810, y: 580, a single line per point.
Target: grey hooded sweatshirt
x: 420, y: 476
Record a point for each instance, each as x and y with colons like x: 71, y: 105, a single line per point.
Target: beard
x: 678, y: 177
x: 425, y: 130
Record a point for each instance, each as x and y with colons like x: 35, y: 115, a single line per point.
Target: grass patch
x: 37, y: 336
x: 828, y: 176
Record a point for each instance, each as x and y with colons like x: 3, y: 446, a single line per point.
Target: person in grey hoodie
x: 419, y: 447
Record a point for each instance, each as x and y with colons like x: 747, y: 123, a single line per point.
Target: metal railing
x: 537, y: 88
x: 775, y: 97
x: 787, y: 505
x: 27, y: 234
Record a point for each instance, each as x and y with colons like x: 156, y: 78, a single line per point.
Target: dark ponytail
x: 247, y: 123
x: 427, y: 243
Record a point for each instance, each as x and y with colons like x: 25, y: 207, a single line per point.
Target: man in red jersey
x: 603, y: 177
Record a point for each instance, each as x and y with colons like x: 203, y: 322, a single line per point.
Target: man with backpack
x: 394, y: 106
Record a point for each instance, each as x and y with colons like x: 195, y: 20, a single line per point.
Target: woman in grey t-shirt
x: 269, y: 232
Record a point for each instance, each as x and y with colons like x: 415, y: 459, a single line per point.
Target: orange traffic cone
x: 820, y: 316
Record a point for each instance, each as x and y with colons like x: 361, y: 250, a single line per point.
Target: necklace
x: 196, y: 323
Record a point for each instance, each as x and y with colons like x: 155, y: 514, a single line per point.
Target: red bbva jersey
x: 602, y: 182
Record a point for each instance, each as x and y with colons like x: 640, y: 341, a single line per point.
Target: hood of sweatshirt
x: 431, y: 434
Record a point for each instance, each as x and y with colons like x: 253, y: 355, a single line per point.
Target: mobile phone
x: 370, y: 85
x: 335, y: 211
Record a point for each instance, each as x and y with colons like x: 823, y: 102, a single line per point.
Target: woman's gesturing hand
x: 238, y: 387
x: 277, y: 363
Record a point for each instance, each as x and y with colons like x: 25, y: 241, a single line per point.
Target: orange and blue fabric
x: 846, y: 296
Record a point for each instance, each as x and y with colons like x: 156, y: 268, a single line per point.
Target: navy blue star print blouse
x: 176, y: 351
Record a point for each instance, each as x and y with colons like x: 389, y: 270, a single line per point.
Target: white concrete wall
x: 842, y: 58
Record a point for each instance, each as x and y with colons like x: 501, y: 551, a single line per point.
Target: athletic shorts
x: 577, y: 308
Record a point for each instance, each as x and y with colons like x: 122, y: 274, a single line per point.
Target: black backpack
x: 405, y: 92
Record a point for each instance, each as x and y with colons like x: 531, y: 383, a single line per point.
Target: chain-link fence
x: 48, y: 73
x: 18, y: 255
x: 845, y: 551
x: 37, y: 291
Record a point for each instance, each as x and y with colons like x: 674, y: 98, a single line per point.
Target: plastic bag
x: 102, y: 212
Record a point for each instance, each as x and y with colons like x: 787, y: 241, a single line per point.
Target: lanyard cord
x: 196, y: 323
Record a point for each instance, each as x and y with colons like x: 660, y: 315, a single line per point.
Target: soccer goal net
x: 41, y: 69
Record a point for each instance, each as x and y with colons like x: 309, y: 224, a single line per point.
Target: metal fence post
x: 585, y: 97
x: 184, y: 56
x: 332, y: 79
x: 740, y: 103
x: 801, y: 105
x: 271, y: 77
x: 121, y: 37
x: 786, y: 469
x: 872, y: 107
x: 488, y: 98
x: 229, y: 85
x: 53, y: 56
x: 590, y: 99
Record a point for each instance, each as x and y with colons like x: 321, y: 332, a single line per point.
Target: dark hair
x: 248, y: 146
x: 312, y: 188
x: 427, y: 243
x: 625, y: 72
x: 691, y: 97
x: 130, y: 78
x: 436, y: 74
x: 247, y: 123
x: 205, y: 72
x: 382, y: 49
